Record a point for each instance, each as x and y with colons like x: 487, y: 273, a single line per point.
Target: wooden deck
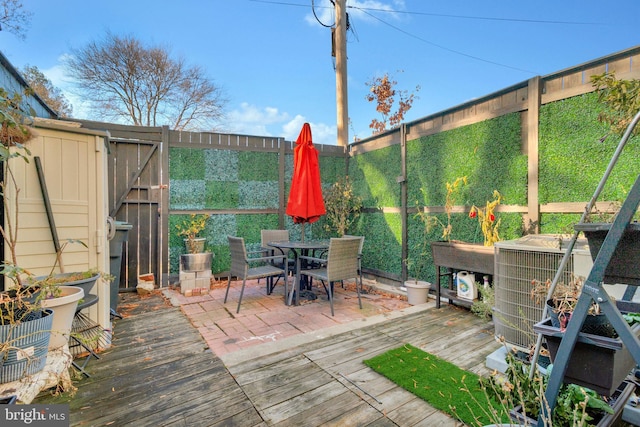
x: 160, y: 373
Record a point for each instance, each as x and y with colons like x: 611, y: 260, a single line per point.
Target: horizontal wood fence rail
x: 243, y: 143
x: 223, y: 211
x: 565, y: 207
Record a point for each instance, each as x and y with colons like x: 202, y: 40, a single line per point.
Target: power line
x: 313, y: 8
x: 366, y: 10
x: 457, y: 52
x: 482, y: 18
x: 443, y: 15
x: 284, y: 3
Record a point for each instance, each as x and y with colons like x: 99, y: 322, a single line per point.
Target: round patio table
x: 299, y: 248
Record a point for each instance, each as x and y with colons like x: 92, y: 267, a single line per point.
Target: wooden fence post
x: 532, y: 218
x: 402, y: 180
x: 281, y: 177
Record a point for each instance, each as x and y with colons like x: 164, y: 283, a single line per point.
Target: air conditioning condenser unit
x: 518, y: 263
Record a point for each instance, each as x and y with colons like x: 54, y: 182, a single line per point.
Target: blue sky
x: 273, y: 59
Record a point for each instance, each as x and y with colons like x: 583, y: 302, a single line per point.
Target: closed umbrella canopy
x: 305, y: 197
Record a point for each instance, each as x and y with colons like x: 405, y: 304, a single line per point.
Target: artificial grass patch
x: 445, y: 386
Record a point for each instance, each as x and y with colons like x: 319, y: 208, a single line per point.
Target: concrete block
x: 496, y: 360
x: 203, y: 282
x: 187, y: 275
x: 204, y: 274
x: 187, y: 285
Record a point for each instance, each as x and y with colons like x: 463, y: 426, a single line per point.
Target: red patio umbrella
x: 305, y: 197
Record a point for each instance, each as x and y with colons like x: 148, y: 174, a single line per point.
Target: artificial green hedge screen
x: 489, y: 155
x: 575, y: 149
x: 572, y: 158
x: 204, y: 179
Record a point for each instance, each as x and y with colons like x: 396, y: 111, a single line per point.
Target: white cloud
x: 291, y: 130
x: 252, y: 120
x: 324, y: 134
x: 59, y: 79
x: 320, y: 132
x: 270, y: 121
x: 56, y: 75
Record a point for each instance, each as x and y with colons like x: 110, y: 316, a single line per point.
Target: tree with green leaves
x: 622, y: 98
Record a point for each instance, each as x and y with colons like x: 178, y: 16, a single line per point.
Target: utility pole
x: 340, y: 40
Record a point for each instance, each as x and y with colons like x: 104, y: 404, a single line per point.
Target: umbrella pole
x: 303, y: 232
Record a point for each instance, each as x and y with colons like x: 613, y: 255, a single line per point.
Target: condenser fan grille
x: 515, y: 311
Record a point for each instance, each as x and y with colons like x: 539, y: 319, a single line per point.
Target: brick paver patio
x: 266, y: 318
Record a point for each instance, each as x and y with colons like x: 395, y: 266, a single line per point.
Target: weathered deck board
x: 159, y: 372
x: 451, y: 333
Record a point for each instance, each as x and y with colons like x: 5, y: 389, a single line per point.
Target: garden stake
x: 47, y: 207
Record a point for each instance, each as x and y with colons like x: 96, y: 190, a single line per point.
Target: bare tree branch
x: 14, y: 18
x: 382, y: 91
x: 126, y: 81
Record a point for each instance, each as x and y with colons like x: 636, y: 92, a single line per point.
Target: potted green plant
x: 62, y: 292
x: 82, y: 279
x: 190, y: 229
x: 600, y: 360
x: 196, y: 259
x: 25, y: 330
x: 464, y: 255
x: 522, y: 397
x: 417, y: 289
